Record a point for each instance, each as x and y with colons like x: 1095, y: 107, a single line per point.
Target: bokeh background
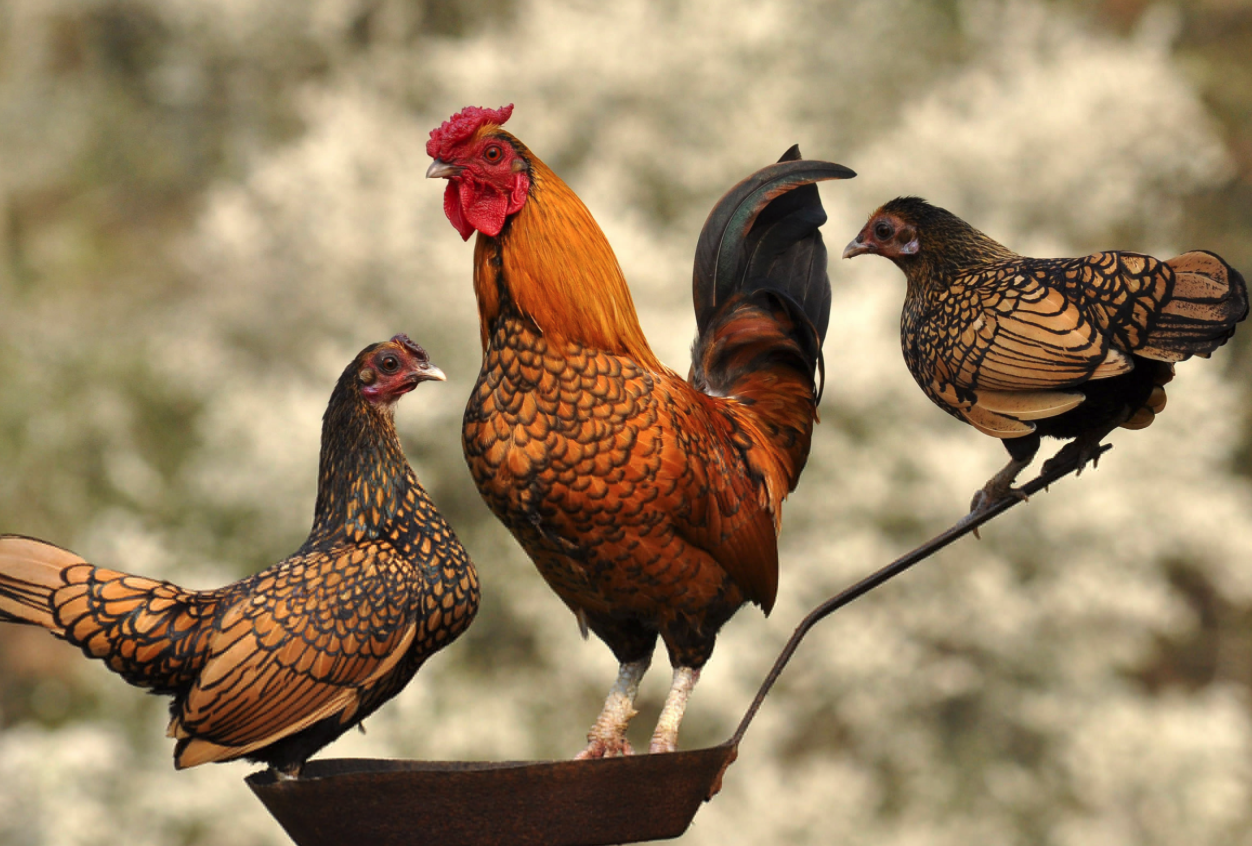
x: 208, y: 206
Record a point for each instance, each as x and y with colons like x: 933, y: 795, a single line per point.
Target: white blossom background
x: 208, y: 206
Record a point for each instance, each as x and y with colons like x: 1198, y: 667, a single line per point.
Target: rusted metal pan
x: 549, y: 803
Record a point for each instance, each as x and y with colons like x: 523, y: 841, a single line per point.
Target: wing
x: 999, y: 347
x: 731, y: 492
x: 311, y: 636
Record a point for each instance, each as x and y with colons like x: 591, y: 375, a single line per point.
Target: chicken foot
x: 1000, y: 486
x: 607, y: 738
x: 1081, y: 450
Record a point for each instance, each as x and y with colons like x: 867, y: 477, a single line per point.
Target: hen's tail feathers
x: 1208, y: 298
x: 147, y: 631
x: 762, y: 300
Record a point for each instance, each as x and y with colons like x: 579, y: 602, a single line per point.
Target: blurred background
x: 208, y: 206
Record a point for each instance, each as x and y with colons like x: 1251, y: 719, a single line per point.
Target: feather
x: 785, y: 251
x: 1028, y: 405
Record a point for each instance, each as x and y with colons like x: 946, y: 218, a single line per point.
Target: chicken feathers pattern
x: 1024, y: 347
x: 589, y: 445
x: 279, y: 664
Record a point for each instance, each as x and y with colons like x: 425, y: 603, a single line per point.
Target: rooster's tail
x: 145, y: 630
x: 762, y: 300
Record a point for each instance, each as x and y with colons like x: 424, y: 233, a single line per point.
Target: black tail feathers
x: 761, y: 253
x: 764, y: 234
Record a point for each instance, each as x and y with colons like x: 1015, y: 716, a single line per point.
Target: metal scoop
x: 547, y: 803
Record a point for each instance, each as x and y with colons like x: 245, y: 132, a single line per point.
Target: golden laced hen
x: 1023, y: 347
x: 650, y: 503
x: 277, y: 665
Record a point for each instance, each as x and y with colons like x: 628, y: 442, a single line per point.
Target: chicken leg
x: 607, y: 738
x: 665, y: 737
x: 1000, y: 486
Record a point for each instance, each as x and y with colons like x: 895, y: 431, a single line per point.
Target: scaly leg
x: 1000, y: 486
x: 665, y: 738
x: 607, y: 738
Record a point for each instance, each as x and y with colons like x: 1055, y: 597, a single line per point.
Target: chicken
x: 277, y: 665
x: 1022, y: 347
x: 649, y: 503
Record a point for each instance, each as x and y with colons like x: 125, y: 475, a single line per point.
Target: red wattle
x: 452, y: 208
x: 471, y: 204
x: 484, y: 207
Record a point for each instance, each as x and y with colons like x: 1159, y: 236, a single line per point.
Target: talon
x: 977, y: 503
x: 605, y: 747
x: 988, y: 496
x: 998, y: 487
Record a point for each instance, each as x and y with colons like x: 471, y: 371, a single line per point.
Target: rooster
x: 1023, y: 347
x: 276, y: 666
x: 649, y: 503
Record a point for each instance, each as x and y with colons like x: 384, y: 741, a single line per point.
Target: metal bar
x: 890, y: 571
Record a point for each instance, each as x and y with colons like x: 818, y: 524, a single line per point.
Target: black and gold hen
x: 1022, y: 347
x: 274, y: 667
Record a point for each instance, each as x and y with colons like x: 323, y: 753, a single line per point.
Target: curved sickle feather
x: 740, y: 239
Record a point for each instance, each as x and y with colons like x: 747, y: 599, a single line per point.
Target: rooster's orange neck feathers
x: 554, y: 266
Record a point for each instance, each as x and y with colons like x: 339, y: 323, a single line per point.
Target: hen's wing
x: 304, y: 643
x: 1007, y: 340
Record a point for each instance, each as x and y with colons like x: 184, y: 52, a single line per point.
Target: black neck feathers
x: 363, y: 474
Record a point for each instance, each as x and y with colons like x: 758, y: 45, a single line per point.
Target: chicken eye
x: 883, y: 231
x: 389, y: 364
x: 493, y: 153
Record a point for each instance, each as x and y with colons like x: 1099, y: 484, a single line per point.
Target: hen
x: 1023, y: 347
x: 649, y: 503
x: 274, y: 667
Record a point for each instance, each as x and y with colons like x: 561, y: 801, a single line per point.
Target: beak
x: 430, y: 373
x: 442, y: 170
x: 856, y: 247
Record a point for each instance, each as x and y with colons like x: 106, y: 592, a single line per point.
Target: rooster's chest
x: 552, y: 441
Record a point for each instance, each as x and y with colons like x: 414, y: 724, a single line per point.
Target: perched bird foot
x: 607, y: 738
x: 992, y: 493
x: 1077, y: 453
x: 998, y: 487
x: 987, y: 497
x: 605, y: 747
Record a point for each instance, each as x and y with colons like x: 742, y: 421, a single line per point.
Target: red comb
x: 462, y: 125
